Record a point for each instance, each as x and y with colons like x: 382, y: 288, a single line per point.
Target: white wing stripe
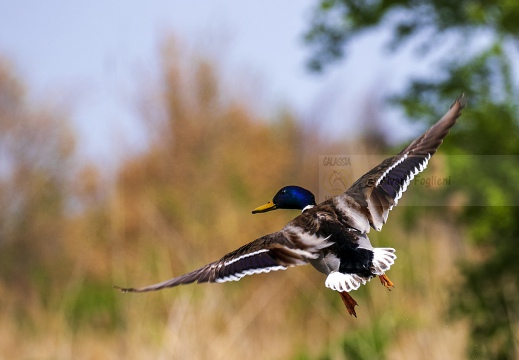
x: 238, y: 276
x: 390, y: 168
x: 407, y: 181
x: 232, y: 261
x: 421, y: 168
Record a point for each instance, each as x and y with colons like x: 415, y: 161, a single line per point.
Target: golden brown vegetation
x: 67, y: 236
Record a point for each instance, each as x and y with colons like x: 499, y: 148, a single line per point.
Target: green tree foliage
x: 487, y: 134
x: 336, y: 22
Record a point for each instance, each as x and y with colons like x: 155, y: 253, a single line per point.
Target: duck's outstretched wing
x: 269, y: 253
x: 379, y: 190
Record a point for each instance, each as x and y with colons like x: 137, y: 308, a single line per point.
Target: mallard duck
x: 332, y: 236
x: 297, y: 197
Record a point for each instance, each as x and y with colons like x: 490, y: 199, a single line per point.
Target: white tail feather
x: 383, y: 258
x: 344, y: 282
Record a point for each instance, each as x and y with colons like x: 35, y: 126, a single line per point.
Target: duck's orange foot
x: 349, y: 302
x: 386, y: 282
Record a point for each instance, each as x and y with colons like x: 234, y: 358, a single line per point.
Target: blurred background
x: 135, y: 139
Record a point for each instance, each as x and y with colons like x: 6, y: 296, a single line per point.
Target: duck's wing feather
x: 379, y: 190
x: 272, y: 252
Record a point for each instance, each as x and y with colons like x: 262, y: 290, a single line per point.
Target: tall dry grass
x: 186, y: 201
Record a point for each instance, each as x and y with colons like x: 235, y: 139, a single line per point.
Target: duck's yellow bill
x: 264, y: 208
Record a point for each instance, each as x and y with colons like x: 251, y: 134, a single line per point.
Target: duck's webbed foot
x: 386, y: 282
x: 349, y: 302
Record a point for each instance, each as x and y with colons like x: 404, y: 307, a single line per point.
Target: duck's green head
x: 289, y: 197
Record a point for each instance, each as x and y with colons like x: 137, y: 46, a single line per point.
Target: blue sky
x: 89, y: 56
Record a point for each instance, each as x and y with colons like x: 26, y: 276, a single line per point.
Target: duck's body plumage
x: 332, y: 236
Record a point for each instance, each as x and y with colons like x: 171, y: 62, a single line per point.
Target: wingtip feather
x: 461, y: 100
x: 124, y: 290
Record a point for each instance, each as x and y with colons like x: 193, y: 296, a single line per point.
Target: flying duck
x: 297, y: 197
x: 332, y: 236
